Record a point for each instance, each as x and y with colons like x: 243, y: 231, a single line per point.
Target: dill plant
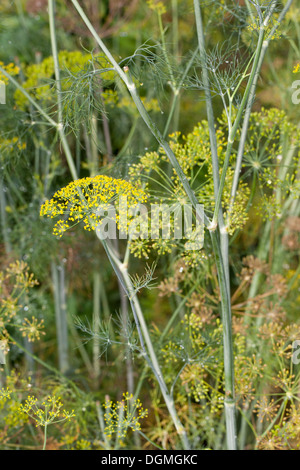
x: 220, y: 250
x: 223, y: 163
x: 50, y: 412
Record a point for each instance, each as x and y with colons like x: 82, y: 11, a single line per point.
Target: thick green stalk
x: 94, y: 164
x: 246, y: 119
x: 239, y: 158
x: 5, y: 232
x: 208, y: 100
x: 213, y: 140
x: 45, y: 436
x: 101, y: 423
x: 220, y: 247
x: 96, y: 324
x: 58, y: 280
x: 60, y: 126
x: 51, y: 12
x: 229, y: 401
x: 236, y: 125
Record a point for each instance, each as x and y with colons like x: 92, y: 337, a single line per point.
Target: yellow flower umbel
x: 157, y: 6
x: 81, y: 199
x: 123, y: 415
x: 15, y: 281
x: 296, y: 68
x: 11, y: 69
x: 51, y: 411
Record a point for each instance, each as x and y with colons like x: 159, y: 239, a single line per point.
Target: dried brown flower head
x: 266, y: 409
x: 291, y: 241
x: 168, y: 287
x: 270, y: 442
x: 293, y: 223
x: 35, y: 7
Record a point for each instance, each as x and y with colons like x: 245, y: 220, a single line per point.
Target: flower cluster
x: 12, y: 416
x: 81, y: 200
x: 11, y: 69
x: 270, y: 34
x: 5, y: 393
x: 266, y: 160
x: 15, y: 282
x: 296, y: 68
x: 193, y: 154
x: 79, y: 73
x: 11, y: 144
x: 24, y: 402
x: 32, y: 329
x: 157, y: 6
x: 49, y: 412
x: 38, y: 75
x: 123, y: 415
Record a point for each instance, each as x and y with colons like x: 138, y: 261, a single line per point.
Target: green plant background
x: 72, y: 334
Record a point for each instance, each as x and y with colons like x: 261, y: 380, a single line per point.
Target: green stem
x: 101, y: 423
x: 235, y: 127
x: 229, y: 401
x: 149, y: 440
x: 163, y: 42
x: 220, y: 247
x: 175, y: 29
x: 60, y: 126
x: 176, y: 95
x: 30, y: 99
x: 4, y: 226
x: 246, y: 119
x: 96, y: 324
x: 45, y: 436
x: 51, y: 12
x: 20, y: 12
x: 122, y: 274
x: 208, y: 100
x: 58, y: 280
x: 54, y: 124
